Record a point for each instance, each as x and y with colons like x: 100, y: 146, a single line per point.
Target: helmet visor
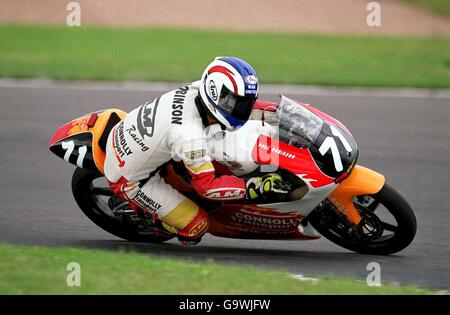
x: 239, y: 107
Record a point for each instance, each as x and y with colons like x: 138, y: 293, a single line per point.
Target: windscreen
x: 298, y: 126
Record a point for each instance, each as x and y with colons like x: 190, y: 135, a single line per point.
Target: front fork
x: 362, y: 181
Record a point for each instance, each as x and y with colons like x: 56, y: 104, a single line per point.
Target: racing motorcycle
x: 328, y: 193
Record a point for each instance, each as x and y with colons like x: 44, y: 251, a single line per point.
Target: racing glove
x: 267, y: 186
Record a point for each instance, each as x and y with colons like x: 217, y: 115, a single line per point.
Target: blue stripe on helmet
x: 240, y: 65
x: 244, y: 70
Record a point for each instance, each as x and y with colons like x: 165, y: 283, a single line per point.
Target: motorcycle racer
x: 172, y: 127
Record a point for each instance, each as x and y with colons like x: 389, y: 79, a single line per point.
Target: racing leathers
x: 169, y: 127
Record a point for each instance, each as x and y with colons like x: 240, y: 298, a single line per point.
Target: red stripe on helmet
x: 227, y: 72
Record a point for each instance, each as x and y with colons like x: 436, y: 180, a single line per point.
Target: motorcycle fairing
x: 299, y: 161
x: 82, y: 141
x: 265, y: 221
x: 276, y: 220
x: 361, y: 181
x: 255, y: 222
x: 77, y: 150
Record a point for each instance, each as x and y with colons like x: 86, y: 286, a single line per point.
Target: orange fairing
x: 97, y: 131
x: 362, y: 181
x: 94, y: 123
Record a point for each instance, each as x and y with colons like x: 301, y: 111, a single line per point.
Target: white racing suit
x: 169, y: 127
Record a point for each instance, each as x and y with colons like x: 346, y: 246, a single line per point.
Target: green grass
x: 441, y: 7
x: 175, y: 55
x: 40, y: 270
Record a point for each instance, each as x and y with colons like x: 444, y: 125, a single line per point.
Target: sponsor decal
x: 177, y: 105
x: 120, y: 144
x: 79, y: 125
x: 251, y: 79
x: 283, y: 153
x: 347, y: 172
x: 341, y: 178
x: 267, y: 220
x: 251, y: 85
x: 146, y: 118
x: 338, y: 205
x: 146, y: 202
x: 263, y: 221
x: 213, y: 90
x: 136, y: 138
x: 225, y: 194
x: 253, y: 222
x: 197, y: 228
x: 276, y: 150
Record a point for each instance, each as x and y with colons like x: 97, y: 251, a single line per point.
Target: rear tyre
x: 372, y: 235
x: 91, y: 200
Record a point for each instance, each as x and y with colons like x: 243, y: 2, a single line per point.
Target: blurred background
x: 407, y: 17
x: 325, y: 42
x: 382, y: 68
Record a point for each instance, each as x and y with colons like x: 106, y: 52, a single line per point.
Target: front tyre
x: 96, y: 203
x: 388, y: 224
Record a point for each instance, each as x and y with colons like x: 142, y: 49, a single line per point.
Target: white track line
x: 265, y: 88
x: 303, y: 278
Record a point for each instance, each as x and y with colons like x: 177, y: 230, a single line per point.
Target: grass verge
x: 41, y: 270
x: 179, y: 55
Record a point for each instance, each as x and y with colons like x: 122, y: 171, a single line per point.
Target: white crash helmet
x: 229, y: 88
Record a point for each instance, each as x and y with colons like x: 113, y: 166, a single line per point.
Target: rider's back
x: 153, y: 133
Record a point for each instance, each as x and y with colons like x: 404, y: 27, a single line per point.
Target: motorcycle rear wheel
x: 333, y: 226
x: 91, y: 200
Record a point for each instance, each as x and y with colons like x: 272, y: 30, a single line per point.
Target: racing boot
x: 189, y: 226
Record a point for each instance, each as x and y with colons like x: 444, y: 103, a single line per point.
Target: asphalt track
x: 405, y: 136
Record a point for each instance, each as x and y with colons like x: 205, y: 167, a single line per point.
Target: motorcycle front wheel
x: 388, y: 223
